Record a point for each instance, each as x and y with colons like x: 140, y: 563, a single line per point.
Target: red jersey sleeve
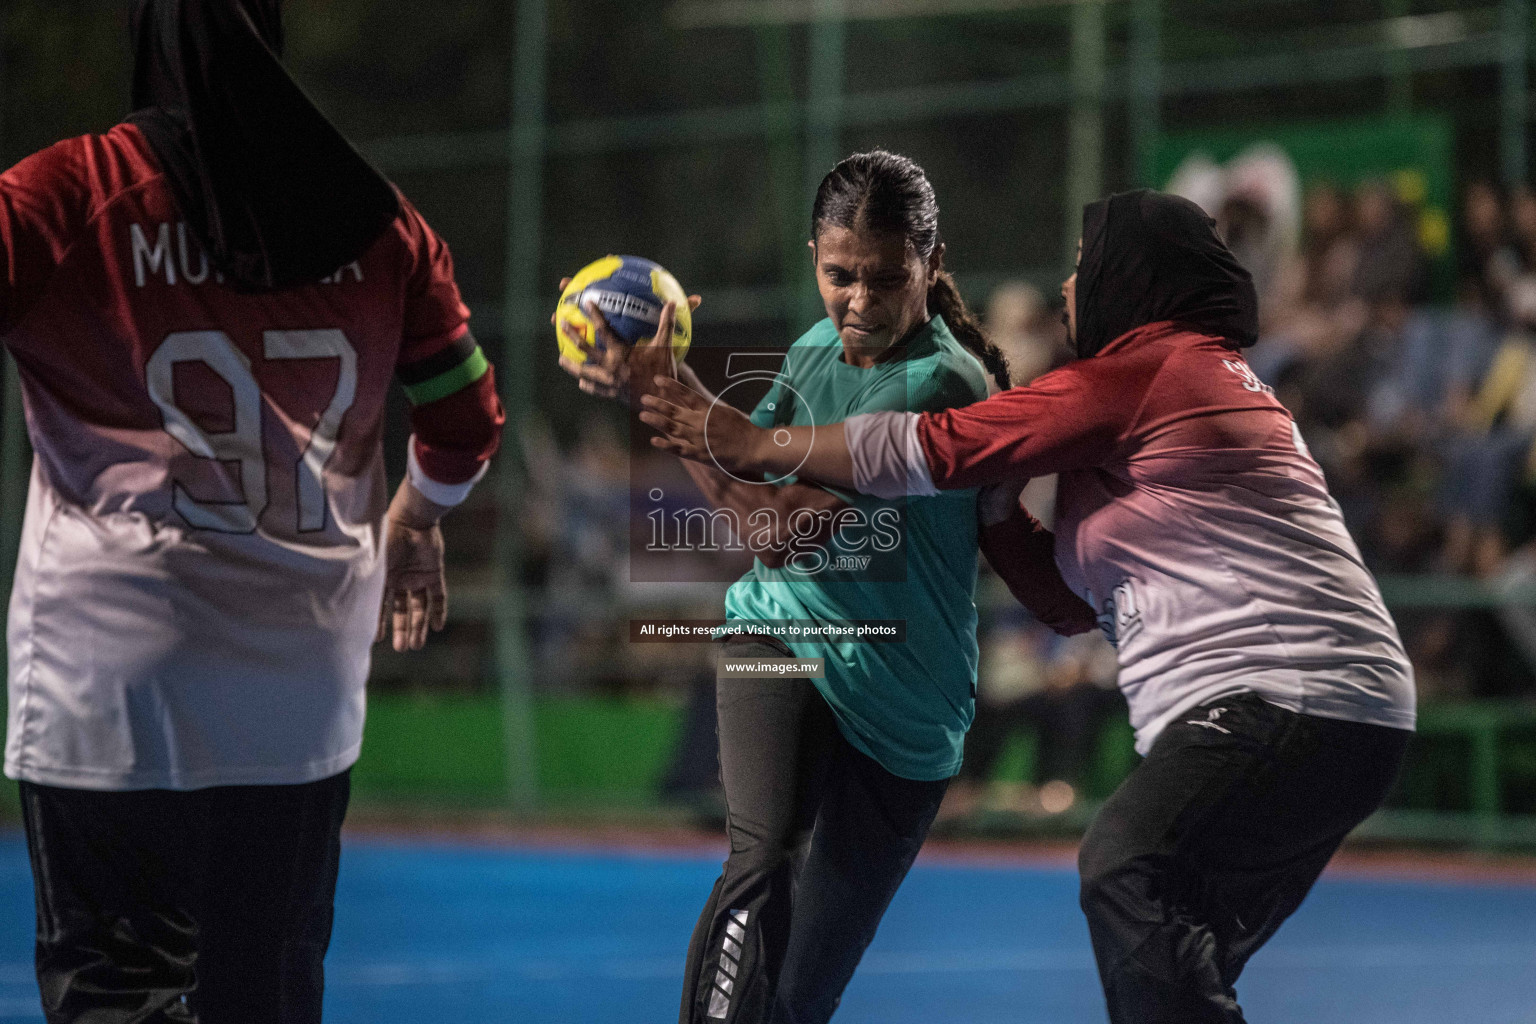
x: 456, y: 415
x: 1071, y: 418
x: 435, y: 314
x: 1022, y: 553
x: 44, y: 205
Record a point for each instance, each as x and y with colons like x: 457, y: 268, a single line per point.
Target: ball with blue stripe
x: 629, y: 291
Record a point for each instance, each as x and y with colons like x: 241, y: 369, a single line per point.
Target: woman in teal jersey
x: 831, y: 783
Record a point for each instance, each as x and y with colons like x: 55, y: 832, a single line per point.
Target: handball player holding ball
x: 831, y: 784
x: 1268, y: 686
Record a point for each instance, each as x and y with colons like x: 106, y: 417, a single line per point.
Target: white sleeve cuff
x: 447, y: 495
x: 888, y: 462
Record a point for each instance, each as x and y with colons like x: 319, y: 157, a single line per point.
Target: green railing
x: 596, y: 755
x: 1483, y: 771
x: 593, y: 753
x: 610, y: 754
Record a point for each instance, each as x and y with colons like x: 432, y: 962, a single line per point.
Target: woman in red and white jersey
x: 1267, y: 683
x: 208, y: 305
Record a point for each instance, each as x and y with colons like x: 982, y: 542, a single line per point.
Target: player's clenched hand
x: 611, y: 364
x: 605, y: 370
x: 415, y: 588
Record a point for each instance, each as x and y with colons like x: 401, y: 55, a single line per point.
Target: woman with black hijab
x: 1266, y: 681
x: 207, y: 305
x: 276, y: 193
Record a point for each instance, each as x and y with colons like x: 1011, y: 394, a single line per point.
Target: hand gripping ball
x: 629, y: 291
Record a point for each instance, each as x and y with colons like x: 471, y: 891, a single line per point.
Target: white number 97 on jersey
x: 242, y: 444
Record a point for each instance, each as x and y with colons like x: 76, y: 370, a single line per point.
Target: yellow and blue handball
x: 629, y: 291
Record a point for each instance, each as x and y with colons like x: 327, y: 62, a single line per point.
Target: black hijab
x: 274, y: 192
x: 1148, y: 257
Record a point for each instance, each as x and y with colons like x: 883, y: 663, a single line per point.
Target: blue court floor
x: 429, y: 932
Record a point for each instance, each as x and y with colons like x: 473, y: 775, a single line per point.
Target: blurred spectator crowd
x: 1412, y: 376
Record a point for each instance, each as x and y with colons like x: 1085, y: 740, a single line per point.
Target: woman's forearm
x: 774, y: 522
x: 714, y: 485
x: 875, y: 453
x: 723, y: 491
x: 1073, y: 417
x: 810, y: 453
x: 1022, y: 553
x: 695, y: 425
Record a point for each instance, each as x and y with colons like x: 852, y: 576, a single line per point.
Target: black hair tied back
x: 887, y: 192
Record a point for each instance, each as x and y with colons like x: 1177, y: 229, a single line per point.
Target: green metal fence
x: 1130, y: 68
x: 1396, y: 46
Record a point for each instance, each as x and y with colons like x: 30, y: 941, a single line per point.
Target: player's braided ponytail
x: 884, y: 191
x: 944, y: 299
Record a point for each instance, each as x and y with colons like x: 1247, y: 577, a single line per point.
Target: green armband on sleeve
x: 445, y: 372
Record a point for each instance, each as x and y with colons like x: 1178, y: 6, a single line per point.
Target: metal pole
x: 776, y: 83
x: 1146, y: 59
x: 824, y: 115
x: 1085, y: 119
x: 1512, y: 99
x: 1400, y: 74
x: 525, y: 198
x: 14, y: 449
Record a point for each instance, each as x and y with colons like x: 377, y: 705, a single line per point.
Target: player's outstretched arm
x: 1019, y: 548
x: 697, y: 427
x: 1068, y: 419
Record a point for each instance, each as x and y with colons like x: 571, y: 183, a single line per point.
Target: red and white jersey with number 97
x: 200, y: 571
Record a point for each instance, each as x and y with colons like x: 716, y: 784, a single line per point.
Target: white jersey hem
x: 1392, y: 718
x: 117, y: 781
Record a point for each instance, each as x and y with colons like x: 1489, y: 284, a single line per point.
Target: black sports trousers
x: 210, y: 905
x: 1213, y: 841
x: 821, y: 837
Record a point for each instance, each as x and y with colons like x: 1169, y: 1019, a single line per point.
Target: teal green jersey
x: 905, y: 704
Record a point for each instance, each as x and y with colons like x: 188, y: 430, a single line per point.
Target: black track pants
x: 1212, y: 842
x: 210, y: 905
x: 821, y: 838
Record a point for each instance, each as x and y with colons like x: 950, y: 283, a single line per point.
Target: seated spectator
x: 1492, y: 454
x: 1439, y: 358
x: 1522, y: 220
x: 1330, y: 248
x: 1391, y: 271
x: 1259, y: 219
x: 1487, y: 262
x: 1311, y: 314
x: 1330, y: 381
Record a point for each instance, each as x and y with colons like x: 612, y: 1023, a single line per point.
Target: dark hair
x: 887, y: 192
